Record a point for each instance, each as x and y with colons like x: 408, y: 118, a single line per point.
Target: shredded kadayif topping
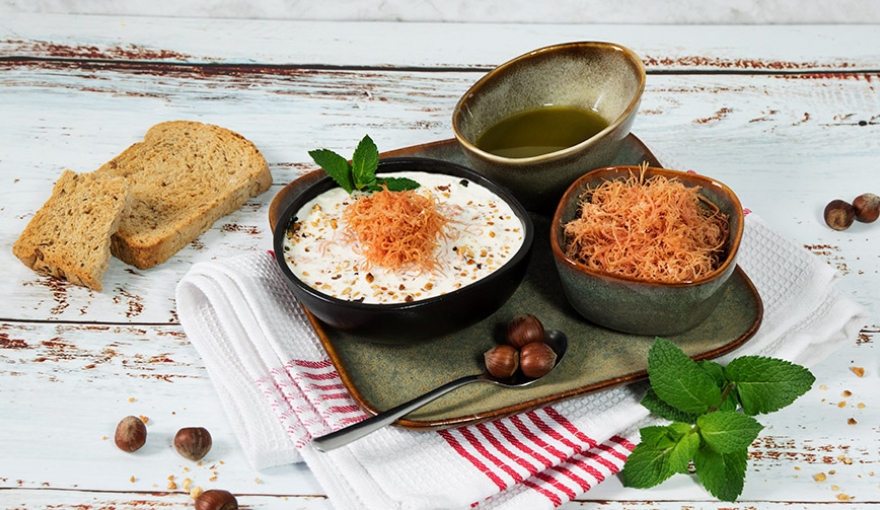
x: 396, y: 229
x: 654, y: 230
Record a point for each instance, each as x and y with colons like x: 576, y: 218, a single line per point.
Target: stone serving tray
x: 381, y: 376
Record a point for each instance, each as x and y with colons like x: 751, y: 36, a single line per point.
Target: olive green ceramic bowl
x: 637, y: 306
x: 603, y: 77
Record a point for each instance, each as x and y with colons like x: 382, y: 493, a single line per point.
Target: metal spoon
x: 555, y: 339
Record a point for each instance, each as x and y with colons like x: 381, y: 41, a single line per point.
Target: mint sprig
x: 711, y: 408
x: 360, y: 173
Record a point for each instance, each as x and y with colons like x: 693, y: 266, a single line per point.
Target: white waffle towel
x: 280, y: 389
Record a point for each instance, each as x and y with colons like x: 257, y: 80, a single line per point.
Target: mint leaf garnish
x: 336, y: 167
x: 702, y: 399
x: 364, y: 163
x: 360, y: 174
x: 764, y: 385
x: 726, y: 431
x: 679, y: 381
x: 722, y: 474
x: 397, y: 183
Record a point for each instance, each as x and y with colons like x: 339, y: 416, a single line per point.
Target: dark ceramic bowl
x: 637, y: 306
x: 420, y: 319
x: 599, y: 76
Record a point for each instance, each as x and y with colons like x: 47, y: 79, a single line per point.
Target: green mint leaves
x: 360, y: 174
x: 364, y: 163
x: 336, y: 167
x: 679, y: 381
x: 703, y: 401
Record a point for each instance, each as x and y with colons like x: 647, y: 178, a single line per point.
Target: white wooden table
x: 789, y: 117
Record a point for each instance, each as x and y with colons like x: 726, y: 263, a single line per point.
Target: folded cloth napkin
x: 280, y: 389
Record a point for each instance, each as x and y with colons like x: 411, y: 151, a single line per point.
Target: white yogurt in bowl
x: 480, y: 261
x: 483, y: 234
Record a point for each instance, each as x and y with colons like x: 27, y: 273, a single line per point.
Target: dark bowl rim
x: 464, y: 172
x: 624, y: 171
x: 538, y: 53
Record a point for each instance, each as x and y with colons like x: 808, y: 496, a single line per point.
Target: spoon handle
x: 360, y: 429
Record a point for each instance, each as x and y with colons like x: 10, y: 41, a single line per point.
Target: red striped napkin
x: 545, y: 451
x: 280, y: 390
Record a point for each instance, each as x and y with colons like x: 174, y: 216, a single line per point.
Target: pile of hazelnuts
x: 524, y: 349
x: 840, y: 214
x: 191, y: 442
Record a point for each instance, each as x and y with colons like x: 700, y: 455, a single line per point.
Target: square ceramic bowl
x: 601, y: 77
x: 637, y: 306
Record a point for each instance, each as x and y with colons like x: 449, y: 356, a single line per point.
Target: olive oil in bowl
x: 540, y: 131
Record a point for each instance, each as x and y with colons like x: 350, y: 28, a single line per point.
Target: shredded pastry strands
x: 653, y: 230
x: 475, y: 234
x: 397, y: 229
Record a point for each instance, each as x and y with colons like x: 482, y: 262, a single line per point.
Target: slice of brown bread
x: 69, y: 237
x: 183, y: 177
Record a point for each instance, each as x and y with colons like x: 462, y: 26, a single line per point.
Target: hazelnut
x: 839, y: 214
x: 524, y: 329
x: 502, y: 361
x: 216, y: 499
x: 867, y: 207
x: 131, y: 434
x: 193, y: 442
x: 537, y: 359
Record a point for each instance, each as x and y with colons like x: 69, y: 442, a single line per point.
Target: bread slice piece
x: 183, y: 177
x: 69, y: 237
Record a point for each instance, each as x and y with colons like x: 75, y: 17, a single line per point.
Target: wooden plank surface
x: 788, y: 126
x: 733, y: 48
x: 760, y: 134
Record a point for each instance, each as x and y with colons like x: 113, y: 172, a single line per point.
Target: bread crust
x: 183, y: 176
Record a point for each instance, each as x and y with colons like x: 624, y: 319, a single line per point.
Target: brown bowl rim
x: 623, y: 171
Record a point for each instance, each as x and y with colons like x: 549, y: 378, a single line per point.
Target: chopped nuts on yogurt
x: 483, y: 234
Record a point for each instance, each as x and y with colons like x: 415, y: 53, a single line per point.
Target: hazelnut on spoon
x: 502, y: 356
x: 537, y: 359
x: 502, y: 361
x: 524, y: 329
x: 525, y: 349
